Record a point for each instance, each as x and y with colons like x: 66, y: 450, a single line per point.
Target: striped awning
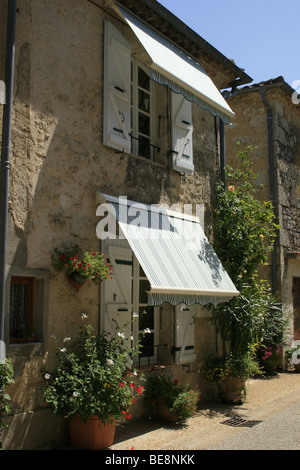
x: 174, y: 253
x: 173, y: 67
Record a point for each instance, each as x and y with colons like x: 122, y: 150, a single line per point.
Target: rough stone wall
x: 250, y: 128
x: 58, y: 166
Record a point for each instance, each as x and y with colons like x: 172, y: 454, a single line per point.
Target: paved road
x: 272, y: 404
x: 279, y: 432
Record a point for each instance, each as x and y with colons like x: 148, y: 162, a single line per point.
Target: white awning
x: 174, y: 253
x: 173, y: 67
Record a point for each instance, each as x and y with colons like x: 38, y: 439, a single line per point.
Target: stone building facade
x: 267, y: 117
x: 64, y: 158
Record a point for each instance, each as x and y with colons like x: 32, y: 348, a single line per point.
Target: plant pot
x: 92, y: 435
x: 76, y: 280
x: 232, y: 389
x: 271, y: 363
x: 163, y: 412
x: 297, y: 367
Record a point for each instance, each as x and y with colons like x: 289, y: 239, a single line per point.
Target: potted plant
x: 243, y: 227
x: 92, y: 386
x: 80, y: 266
x: 172, y: 400
x: 273, y: 328
x: 230, y: 374
x: 6, y: 378
x: 292, y: 355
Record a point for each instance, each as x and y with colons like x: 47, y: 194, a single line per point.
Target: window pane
x: 18, y: 305
x: 143, y: 79
x: 142, y: 274
x: 146, y: 318
x: 144, y: 101
x: 144, y: 147
x: 143, y: 288
x: 147, y: 343
x: 144, y: 124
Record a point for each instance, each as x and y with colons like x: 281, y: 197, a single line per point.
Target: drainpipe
x: 222, y: 151
x: 5, y: 149
x: 271, y: 177
x: 226, y: 94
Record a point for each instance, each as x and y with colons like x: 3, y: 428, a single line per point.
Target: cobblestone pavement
x: 210, y: 426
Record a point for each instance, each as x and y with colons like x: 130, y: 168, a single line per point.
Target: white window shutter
x: 184, y: 334
x: 182, y: 134
x: 117, y: 90
x: 117, y: 292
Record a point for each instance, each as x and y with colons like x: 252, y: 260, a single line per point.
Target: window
x: 148, y: 316
x: 136, y: 116
x: 125, y: 295
x: 21, y: 309
x: 141, y: 112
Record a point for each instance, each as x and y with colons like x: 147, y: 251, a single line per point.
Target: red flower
x: 121, y: 385
x: 140, y: 389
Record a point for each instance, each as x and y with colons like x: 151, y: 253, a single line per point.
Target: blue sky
x: 261, y: 36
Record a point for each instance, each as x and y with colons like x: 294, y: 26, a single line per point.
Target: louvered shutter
x: 117, y: 90
x: 184, y: 334
x: 118, y: 291
x: 182, y: 134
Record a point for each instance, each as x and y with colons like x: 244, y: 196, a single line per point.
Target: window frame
x: 29, y: 309
x: 136, y: 134
x: 137, y: 276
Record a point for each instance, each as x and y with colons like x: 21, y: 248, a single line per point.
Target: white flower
x: 83, y: 316
x: 135, y: 315
x: 66, y: 339
x: 63, y: 350
x: 122, y: 335
x: 110, y: 362
x: 75, y: 394
x: 131, y: 337
x: 147, y: 330
x: 47, y: 376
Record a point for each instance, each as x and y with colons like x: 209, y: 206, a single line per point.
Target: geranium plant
x: 91, y: 265
x: 180, y: 400
x: 92, y: 376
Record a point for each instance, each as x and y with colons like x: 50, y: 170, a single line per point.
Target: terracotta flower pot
x: 232, y: 389
x: 163, y: 412
x: 92, y: 435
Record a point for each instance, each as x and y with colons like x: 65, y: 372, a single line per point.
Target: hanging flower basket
x: 81, y: 266
x: 76, y: 280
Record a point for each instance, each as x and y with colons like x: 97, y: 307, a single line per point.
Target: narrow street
x: 278, y: 432
x: 268, y: 420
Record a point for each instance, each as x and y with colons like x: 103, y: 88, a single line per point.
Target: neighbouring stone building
x: 89, y: 126
x: 267, y: 117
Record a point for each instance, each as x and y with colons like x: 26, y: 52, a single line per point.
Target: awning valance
x: 173, y: 67
x: 174, y: 253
